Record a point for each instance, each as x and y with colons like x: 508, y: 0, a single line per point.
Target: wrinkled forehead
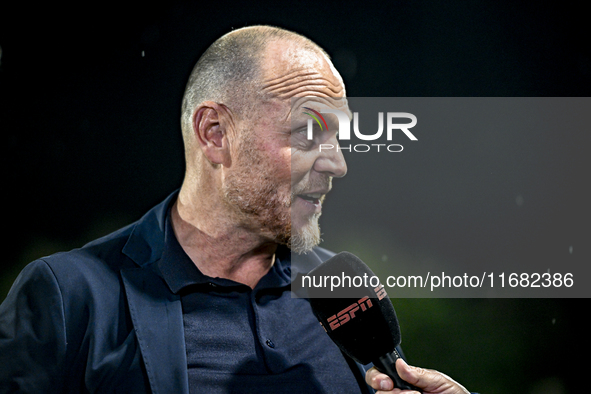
x: 291, y: 70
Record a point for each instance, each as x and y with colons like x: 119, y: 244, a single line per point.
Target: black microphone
x: 359, y: 317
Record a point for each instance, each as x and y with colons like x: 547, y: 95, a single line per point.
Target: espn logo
x: 335, y: 321
x: 347, y: 314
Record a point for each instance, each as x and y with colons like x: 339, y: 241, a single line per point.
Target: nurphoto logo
x: 392, y: 125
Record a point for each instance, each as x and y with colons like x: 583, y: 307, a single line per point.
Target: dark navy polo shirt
x: 243, y: 340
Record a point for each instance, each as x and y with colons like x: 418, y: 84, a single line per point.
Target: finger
x: 419, y: 377
x: 377, y: 380
x: 427, y: 379
x: 383, y: 383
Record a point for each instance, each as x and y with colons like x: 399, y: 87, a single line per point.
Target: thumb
x: 429, y: 380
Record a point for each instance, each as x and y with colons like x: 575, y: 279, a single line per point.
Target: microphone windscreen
x: 359, y: 318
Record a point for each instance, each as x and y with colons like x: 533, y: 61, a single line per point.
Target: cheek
x: 301, y: 164
x: 279, y: 163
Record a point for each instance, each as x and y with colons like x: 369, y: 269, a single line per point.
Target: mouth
x: 311, y: 202
x: 312, y: 198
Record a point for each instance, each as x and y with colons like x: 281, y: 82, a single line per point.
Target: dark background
x: 89, y: 111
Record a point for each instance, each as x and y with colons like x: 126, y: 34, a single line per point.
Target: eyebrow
x: 300, y: 101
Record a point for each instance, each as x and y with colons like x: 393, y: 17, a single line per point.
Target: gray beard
x: 306, y: 238
x: 272, y: 216
x: 259, y: 203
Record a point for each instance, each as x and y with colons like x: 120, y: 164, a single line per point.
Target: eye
x: 299, y: 138
x: 301, y: 130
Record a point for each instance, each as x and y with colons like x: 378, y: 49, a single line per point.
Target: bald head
x: 232, y: 70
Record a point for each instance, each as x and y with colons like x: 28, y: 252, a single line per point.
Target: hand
x: 430, y: 381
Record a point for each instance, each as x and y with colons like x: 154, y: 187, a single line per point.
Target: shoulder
x: 134, y: 245
x: 84, y: 285
x: 94, y: 260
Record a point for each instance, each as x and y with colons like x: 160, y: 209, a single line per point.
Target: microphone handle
x: 387, y: 364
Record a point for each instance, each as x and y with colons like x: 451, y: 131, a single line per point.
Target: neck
x: 216, y: 244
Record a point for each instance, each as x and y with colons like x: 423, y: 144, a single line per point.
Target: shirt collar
x: 179, y: 271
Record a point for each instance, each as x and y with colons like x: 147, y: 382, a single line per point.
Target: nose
x: 331, y: 161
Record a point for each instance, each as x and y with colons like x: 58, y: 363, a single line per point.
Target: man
x: 194, y: 297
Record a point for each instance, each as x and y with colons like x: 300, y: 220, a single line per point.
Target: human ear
x: 210, y: 133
